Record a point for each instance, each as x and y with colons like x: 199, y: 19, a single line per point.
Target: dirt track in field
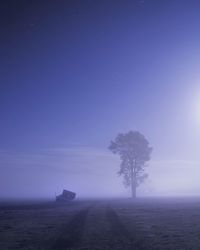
x: 116, y: 236
x: 119, y: 224
x: 71, y: 234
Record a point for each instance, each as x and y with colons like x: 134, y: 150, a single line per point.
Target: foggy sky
x: 73, y: 74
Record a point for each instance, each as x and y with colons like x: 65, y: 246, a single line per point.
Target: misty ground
x: 166, y: 223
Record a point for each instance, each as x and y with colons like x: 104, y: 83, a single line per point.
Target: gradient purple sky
x: 75, y: 73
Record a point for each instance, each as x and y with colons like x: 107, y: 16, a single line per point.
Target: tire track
x: 122, y: 235
x: 72, y: 232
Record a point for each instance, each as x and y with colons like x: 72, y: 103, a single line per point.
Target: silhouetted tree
x: 134, y: 151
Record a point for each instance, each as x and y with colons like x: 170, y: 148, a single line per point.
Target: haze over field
x: 74, y: 74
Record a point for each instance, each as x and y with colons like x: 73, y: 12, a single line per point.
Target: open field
x: 102, y: 224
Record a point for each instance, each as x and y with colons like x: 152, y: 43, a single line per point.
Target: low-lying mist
x: 91, y: 173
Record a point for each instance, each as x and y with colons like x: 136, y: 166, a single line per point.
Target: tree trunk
x: 133, y: 189
x: 133, y: 184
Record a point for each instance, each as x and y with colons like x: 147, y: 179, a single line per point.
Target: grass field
x: 151, y: 223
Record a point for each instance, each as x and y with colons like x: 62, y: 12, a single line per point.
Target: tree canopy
x: 135, y: 152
